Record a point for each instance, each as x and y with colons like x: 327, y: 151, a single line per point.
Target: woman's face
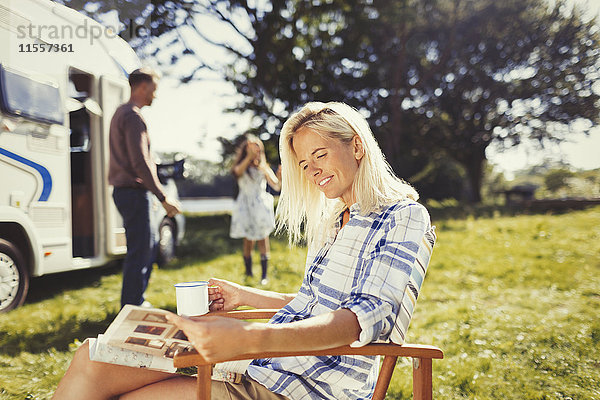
x: 329, y: 164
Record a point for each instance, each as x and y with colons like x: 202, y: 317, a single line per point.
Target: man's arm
x: 138, y: 151
x: 171, y: 206
x: 136, y: 140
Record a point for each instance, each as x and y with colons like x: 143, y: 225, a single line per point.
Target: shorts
x: 245, y: 389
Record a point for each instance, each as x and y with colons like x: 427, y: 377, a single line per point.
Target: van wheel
x: 167, y: 242
x: 14, y: 277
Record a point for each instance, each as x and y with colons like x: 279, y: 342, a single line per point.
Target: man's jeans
x: 135, y: 207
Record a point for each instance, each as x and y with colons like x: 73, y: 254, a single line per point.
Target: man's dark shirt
x: 131, y: 163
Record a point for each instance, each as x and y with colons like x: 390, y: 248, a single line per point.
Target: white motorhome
x: 62, y: 75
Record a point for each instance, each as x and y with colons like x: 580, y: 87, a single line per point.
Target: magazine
x: 142, y: 337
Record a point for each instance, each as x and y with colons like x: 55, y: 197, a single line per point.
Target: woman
x: 363, y: 227
x: 253, y: 218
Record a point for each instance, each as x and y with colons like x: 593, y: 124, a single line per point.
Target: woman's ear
x: 359, y: 150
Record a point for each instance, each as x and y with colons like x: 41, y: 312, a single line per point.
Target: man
x: 133, y: 174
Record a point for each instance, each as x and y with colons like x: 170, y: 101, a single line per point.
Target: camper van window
x: 25, y: 97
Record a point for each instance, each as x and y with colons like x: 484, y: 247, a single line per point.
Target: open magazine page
x: 143, y: 338
x: 146, y: 330
x: 140, y: 337
x: 104, y: 352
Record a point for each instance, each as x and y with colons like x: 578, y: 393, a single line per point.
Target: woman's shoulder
x: 395, y: 210
x: 405, y: 206
x: 406, y: 209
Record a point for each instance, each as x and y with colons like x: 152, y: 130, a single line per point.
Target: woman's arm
x: 272, y: 179
x: 252, y: 151
x: 336, y: 328
x: 239, y: 169
x: 220, y: 338
x: 228, y: 296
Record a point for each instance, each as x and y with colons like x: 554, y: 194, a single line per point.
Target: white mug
x: 192, y: 298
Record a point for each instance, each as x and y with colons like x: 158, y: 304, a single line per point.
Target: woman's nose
x: 313, y: 171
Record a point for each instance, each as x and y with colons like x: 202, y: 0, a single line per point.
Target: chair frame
x: 422, y: 356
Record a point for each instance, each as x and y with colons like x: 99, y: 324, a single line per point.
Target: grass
x: 512, y: 301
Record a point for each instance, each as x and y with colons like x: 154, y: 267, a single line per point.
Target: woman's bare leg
x: 184, y: 388
x: 180, y: 388
x: 248, y: 246
x: 92, y: 380
x: 263, y: 246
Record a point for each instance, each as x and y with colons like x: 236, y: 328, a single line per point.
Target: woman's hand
x: 252, y: 150
x: 215, y: 338
x: 262, y: 163
x: 224, y: 295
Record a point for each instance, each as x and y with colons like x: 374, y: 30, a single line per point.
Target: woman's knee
x: 74, y: 382
x: 82, y: 354
x: 81, y: 364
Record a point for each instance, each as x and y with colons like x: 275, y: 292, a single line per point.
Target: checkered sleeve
x: 382, y: 274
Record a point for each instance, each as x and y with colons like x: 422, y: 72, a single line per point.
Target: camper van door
x: 113, y: 93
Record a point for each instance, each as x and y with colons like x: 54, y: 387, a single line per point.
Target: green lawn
x: 512, y: 301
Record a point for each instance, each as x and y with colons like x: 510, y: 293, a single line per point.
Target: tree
x: 434, y: 77
x: 455, y: 76
x: 515, y: 70
x: 437, y: 79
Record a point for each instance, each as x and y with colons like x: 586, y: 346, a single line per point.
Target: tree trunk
x: 474, y: 166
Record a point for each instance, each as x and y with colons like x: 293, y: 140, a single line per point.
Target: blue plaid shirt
x: 363, y: 267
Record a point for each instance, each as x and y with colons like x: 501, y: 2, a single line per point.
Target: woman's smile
x: 325, y: 181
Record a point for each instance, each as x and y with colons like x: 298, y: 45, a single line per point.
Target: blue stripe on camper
x: 45, y: 174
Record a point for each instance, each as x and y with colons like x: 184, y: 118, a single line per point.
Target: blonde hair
x: 375, y: 184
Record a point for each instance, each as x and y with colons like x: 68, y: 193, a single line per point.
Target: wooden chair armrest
x: 421, y: 354
x: 189, y: 359
x: 263, y: 313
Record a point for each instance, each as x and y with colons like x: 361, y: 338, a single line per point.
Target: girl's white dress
x: 253, y: 217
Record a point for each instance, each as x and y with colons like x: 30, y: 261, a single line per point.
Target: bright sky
x: 188, y: 118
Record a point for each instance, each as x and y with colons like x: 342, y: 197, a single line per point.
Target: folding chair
x: 422, y: 355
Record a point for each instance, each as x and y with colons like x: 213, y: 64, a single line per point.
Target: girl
x: 253, y: 218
